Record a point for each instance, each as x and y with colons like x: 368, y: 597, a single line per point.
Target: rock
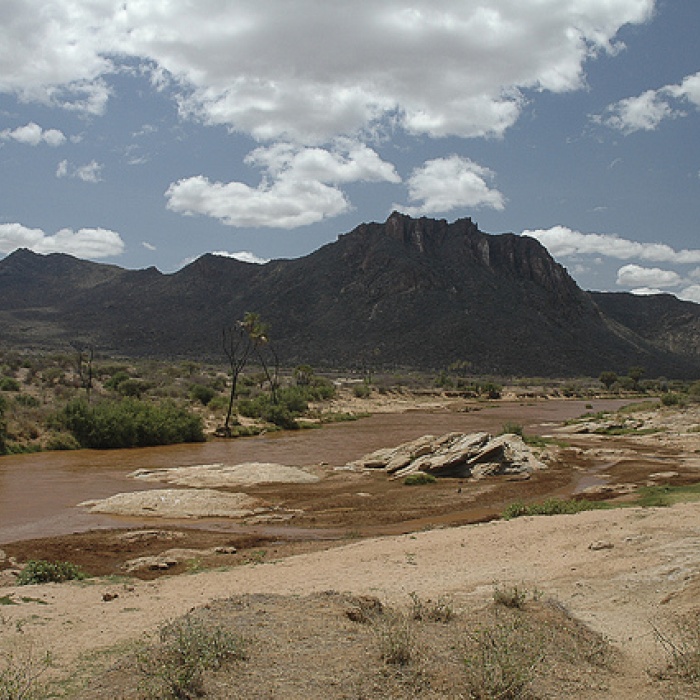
x: 657, y: 476
x: 149, y: 535
x: 177, y: 503
x: 600, y: 544
x: 227, y: 475
x: 3, y: 556
x: 455, y: 455
x: 172, y: 557
x: 107, y: 597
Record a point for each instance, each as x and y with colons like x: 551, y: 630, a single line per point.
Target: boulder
x: 454, y: 454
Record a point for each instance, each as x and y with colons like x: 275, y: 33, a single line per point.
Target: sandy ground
x: 623, y: 572
x: 620, y: 571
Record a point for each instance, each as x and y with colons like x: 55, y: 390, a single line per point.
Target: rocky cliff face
x: 406, y: 292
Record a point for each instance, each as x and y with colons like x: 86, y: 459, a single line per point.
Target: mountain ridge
x: 412, y: 293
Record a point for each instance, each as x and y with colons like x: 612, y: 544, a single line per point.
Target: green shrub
x: 672, y: 399
x: 27, y: 400
x: 133, y: 387
x: 361, y: 391
x: 202, y: 393
x: 116, y: 379
x: 42, y: 571
x: 130, y: 423
x: 61, y: 441
x: 512, y: 429
x: 552, y: 506
x: 8, y: 384
x: 419, y: 479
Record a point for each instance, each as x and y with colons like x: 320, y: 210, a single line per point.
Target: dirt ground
x: 624, y: 573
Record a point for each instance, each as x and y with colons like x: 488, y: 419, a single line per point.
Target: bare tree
x: 83, y: 366
x: 237, y: 348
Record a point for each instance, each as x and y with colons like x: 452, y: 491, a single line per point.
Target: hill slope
x: 406, y: 292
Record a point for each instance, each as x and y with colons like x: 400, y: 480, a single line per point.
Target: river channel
x: 40, y: 493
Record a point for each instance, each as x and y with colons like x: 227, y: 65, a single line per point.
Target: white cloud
x: 564, y: 242
x: 148, y: 246
x: 308, y: 71
x: 32, y: 134
x: 646, y: 291
x: 298, y: 187
x: 635, y: 275
x: 84, y: 243
x: 284, y: 204
x: 90, y: 172
x: 646, y: 111
x: 444, y: 184
x: 690, y: 293
x: 243, y: 256
x: 348, y: 161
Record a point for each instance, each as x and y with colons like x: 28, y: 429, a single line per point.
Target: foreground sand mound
x: 223, y: 475
x: 178, y: 503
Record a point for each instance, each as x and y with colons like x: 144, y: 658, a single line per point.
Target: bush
x: 203, y: 394
x: 419, y: 479
x: 186, y: 648
x: 27, y: 401
x: 8, y: 384
x: 672, y: 399
x: 42, y: 571
x: 361, y: 391
x: 130, y: 423
x: 552, y: 506
x: 501, y: 660
x: 61, y: 441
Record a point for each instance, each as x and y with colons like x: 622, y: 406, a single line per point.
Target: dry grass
x: 334, y: 647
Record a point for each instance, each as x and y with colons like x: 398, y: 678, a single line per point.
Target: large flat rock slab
x: 178, y: 503
x: 216, y: 476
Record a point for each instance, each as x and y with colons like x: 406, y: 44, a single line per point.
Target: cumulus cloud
x: 646, y: 111
x: 84, y: 243
x: 32, y: 135
x: 282, y: 204
x: 444, y: 184
x: 90, y: 172
x: 565, y: 242
x: 299, y: 186
x: 309, y: 71
x: 690, y: 293
x: 243, y: 256
x: 635, y: 275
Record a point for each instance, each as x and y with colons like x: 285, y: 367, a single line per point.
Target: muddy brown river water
x: 39, y: 493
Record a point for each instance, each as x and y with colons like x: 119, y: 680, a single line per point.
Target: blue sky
x: 152, y: 132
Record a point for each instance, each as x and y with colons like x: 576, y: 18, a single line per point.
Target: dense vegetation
x: 72, y: 400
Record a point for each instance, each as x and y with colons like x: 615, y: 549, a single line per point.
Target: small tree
x: 607, y: 379
x: 258, y: 334
x: 237, y: 348
x: 635, y: 374
x: 303, y: 374
x: 83, y: 367
x: 3, y: 426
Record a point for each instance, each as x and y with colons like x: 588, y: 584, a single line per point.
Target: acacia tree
x: 258, y: 333
x: 607, y: 379
x: 237, y: 348
x: 245, y: 338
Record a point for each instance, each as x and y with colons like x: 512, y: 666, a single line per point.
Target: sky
x: 150, y: 132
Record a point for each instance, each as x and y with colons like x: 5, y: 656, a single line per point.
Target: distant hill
x: 419, y: 293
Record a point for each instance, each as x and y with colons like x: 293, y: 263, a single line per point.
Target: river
x: 39, y: 493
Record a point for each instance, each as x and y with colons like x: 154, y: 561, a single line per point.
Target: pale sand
x: 643, y: 568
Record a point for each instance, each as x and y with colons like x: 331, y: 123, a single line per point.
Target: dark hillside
x: 404, y: 293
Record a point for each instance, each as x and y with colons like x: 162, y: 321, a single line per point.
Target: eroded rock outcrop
x: 461, y: 455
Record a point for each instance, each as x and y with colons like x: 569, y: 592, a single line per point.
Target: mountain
x: 408, y: 292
